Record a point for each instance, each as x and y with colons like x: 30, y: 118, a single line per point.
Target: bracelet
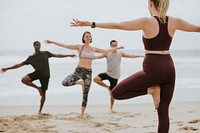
x: 93, y: 25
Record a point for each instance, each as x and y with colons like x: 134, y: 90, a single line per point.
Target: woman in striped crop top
x: 158, y: 67
x: 83, y: 71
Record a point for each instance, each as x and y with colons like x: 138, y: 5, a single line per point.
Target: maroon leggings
x: 157, y: 70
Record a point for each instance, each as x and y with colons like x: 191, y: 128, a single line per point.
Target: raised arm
x: 13, y: 67
x: 130, y: 56
x: 137, y: 24
x: 72, y: 47
x: 100, y: 56
x: 183, y: 25
x: 98, y: 50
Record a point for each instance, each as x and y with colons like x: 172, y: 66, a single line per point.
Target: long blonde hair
x: 162, y: 7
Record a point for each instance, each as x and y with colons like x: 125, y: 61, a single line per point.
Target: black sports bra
x: 162, y: 41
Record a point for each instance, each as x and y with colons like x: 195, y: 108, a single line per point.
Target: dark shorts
x: 113, y: 82
x: 44, y: 81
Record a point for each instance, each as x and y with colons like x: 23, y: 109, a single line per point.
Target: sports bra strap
x: 84, y: 53
x: 81, y: 50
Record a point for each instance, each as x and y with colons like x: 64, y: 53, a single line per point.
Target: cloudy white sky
x: 24, y: 21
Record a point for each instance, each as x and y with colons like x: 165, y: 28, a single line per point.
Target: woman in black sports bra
x: 158, y: 68
x: 83, y: 71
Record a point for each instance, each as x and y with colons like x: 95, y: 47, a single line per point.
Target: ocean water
x: 22, y: 23
x: 13, y: 92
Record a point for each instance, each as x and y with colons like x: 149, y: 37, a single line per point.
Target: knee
x: 26, y: 80
x: 23, y: 80
x: 65, y: 83
x: 96, y: 79
x: 84, y: 104
x: 115, y: 95
x: 43, y: 98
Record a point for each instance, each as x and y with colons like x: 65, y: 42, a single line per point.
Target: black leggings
x: 157, y: 70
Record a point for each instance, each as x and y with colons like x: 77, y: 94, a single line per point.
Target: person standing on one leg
x: 83, y: 72
x: 113, y: 69
x: 158, y: 67
x: 40, y: 62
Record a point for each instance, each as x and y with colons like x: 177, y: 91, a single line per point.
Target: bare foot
x: 112, y: 111
x: 155, y: 92
x: 43, y: 114
x: 39, y: 113
x: 82, y: 116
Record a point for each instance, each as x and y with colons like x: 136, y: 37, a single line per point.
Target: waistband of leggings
x: 86, y: 69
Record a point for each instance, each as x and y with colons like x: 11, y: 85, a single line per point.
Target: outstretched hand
x: 73, y: 56
x: 117, y: 48
x: 48, y: 42
x: 76, y: 23
x: 121, y: 47
x: 3, y: 70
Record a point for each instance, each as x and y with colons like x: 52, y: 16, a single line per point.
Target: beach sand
x: 128, y: 118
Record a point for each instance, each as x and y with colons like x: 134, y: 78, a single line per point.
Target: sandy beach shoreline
x: 128, y: 118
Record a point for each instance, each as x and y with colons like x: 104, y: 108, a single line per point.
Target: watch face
x: 93, y: 25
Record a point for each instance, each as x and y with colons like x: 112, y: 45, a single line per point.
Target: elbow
x: 197, y: 29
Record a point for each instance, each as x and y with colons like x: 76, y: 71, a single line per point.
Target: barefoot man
x: 113, y: 70
x: 40, y: 62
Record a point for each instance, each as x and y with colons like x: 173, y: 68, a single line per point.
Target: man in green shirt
x: 40, y: 62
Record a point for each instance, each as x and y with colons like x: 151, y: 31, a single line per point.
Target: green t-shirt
x: 40, y: 63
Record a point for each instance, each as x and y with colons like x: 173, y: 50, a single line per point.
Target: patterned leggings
x: 80, y: 73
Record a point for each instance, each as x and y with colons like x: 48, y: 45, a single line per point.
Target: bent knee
x: 115, y: 95
x: 24, y: 80
x: 64, y: 83
x: 67, y: 83
x: 96, y: 79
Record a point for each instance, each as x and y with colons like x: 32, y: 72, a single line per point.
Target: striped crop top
x: 85, y: 54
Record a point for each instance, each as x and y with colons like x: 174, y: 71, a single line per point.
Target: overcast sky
x: 24, y: 21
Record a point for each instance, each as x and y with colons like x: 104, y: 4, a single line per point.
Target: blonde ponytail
x: 162, y: 7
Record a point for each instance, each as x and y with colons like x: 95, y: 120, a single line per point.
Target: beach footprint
x: 194, y: 121
x: 97, y: 124
x: 178, y: 123
x: 188, y: 128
